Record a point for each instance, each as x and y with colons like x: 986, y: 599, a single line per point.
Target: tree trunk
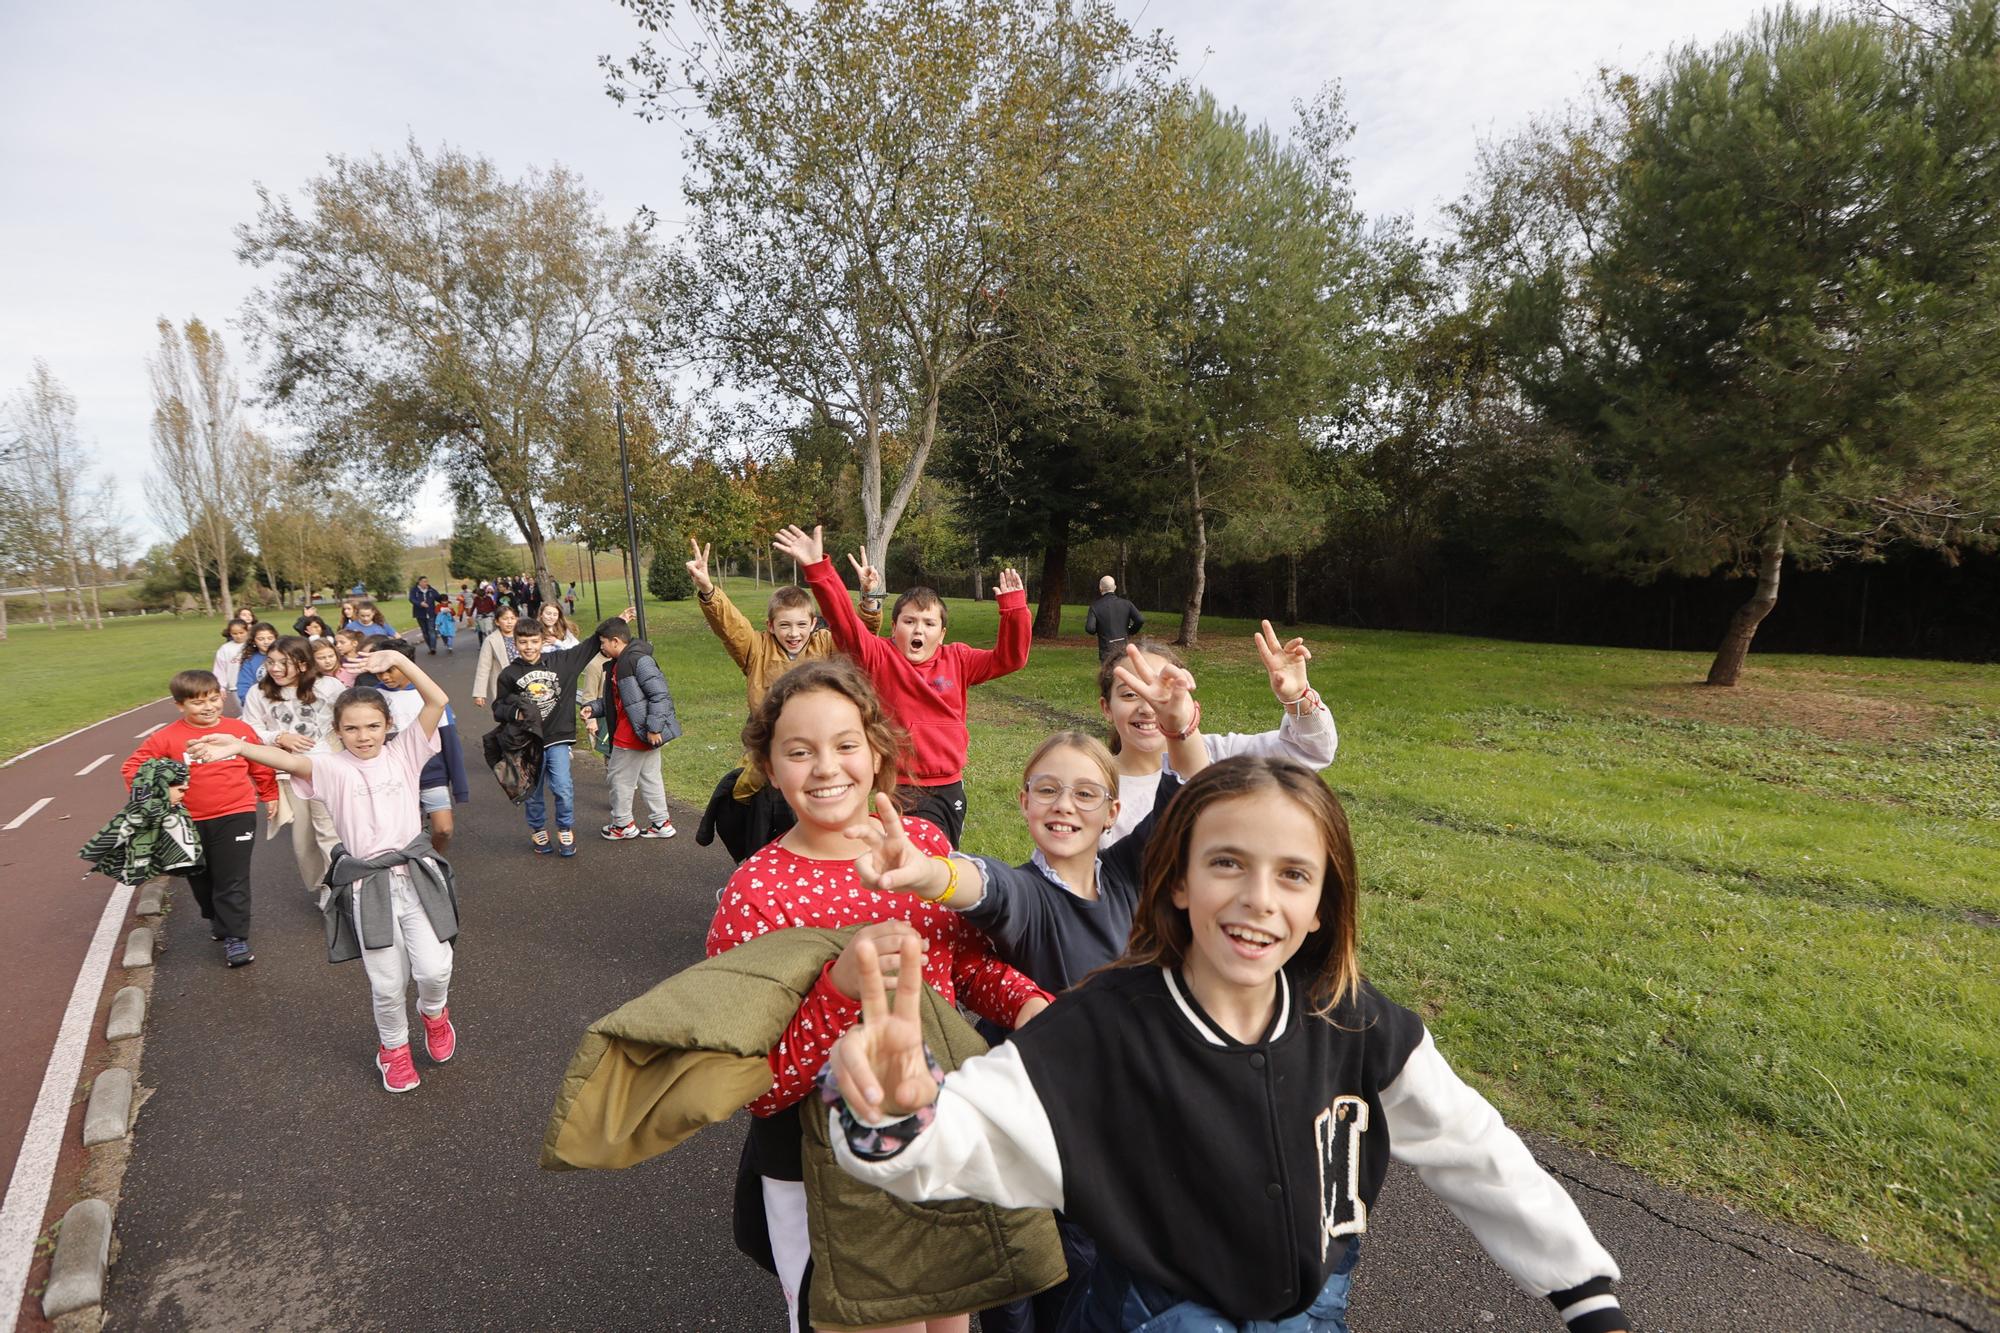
x: 1190, y: 634
x: 978, y: 574
x: 1291, y: 587
x: 201, y: 581
x: 1124, y: 588
x: 3, y: 617
x: 1055, y: 573
x: 1728, y: 664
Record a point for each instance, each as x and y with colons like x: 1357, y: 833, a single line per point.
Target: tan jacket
x: 692, y: 1052
x: 763, y: 661
x: 758, y: 653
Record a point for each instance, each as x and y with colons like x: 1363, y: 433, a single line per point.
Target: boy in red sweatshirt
x: 222, y: 798
x: 922, y: 679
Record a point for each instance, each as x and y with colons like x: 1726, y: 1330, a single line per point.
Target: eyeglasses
x: 1086, y: 795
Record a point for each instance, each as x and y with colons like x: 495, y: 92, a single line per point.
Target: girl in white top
x: 229, y: 657
x: 292, y: 709
x: 495, y: 655
x: 558, y: 630
x: 1306, y: 734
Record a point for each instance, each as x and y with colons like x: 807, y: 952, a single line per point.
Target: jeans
x: 1117, y: 1302
x: 415, y: 953
x: 556, y: 780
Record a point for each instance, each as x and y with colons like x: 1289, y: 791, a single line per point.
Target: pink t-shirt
x: 373, y: 802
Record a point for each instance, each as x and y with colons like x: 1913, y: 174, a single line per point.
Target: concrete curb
x: 151, y: 899
x: 128, y: 1015
x: 82, y: 1259
x: 109, y: 1114
x: 139, y: 948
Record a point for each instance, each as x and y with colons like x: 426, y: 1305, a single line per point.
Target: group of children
x: 1189, y: 1068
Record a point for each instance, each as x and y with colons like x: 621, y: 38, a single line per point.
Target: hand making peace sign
x: 697, y: 568
x: 891, y: 863
x: 1285, y: 662
x: 879, y: 1063
x: 871, y: 577
x: 1167, y: 691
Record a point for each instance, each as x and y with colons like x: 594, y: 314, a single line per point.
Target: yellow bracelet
x: 951, y: 885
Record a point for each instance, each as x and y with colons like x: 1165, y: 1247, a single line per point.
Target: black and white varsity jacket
x: 1238, y: 1174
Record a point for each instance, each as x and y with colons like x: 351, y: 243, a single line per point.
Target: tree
x: 1259, y: 327
x: 52, y: 481
x: 428, y: 311
x: 866, y: 179
x: 476, y: 550
x: 1788, y: 347
x: 200, y: 448
x: 667, y: 579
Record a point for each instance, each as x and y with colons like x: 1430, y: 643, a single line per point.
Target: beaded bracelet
x: 875, y: 1143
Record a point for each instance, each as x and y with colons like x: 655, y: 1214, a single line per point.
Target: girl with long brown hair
x: 1218, y: 1111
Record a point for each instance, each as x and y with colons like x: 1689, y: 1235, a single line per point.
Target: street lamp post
x: 631, y: 525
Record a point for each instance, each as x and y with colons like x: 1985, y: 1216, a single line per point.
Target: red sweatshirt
x: 929, y: 700
x: 224, y: 787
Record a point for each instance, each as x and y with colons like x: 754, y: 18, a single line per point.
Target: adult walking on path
x: 1112, y: 619
x: 424, y: 603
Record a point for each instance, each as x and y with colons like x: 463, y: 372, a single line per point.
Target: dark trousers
x: 222, y: 885
x: 943, y: 806
x: 745, y: 827
x: 1044, y: 1313
x: 428, y: 624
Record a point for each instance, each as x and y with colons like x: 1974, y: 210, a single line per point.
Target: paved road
x: 274, y: 1184
x: 54, y: 798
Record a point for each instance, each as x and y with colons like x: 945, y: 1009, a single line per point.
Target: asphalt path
x: 274, y: 1184
x: 54, y: 798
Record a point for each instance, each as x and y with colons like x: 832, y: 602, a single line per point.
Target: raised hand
x: 871, y: 577
x: 1285, y: 662
x: 807, y: 548
x: 630, y: 615
x: 375, y: 663
x: 698, y: 567
x: 879, y: 1063
x: 892, y: 863
x: 1010, y: 581
x: 886, y: 937
x: 1168, y: 691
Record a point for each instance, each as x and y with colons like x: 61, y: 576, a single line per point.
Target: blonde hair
x: 1084, y: 744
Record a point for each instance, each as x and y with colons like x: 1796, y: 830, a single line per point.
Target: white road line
x: 35, y: 1167
x: 92, y: 764
x: 79, y: 731
x: 141, y: 735
x: 25, y: 815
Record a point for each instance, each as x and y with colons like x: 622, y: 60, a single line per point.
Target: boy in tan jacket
x: 791, y: 635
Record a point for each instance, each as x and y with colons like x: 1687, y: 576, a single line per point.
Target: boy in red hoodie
x: 222, y: 798
x: 922, y: 679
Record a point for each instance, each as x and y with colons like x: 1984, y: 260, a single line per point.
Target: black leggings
x: 222, y: 885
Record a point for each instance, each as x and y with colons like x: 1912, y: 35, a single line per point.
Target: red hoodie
x: 928, y: 699
x: 223, y: 787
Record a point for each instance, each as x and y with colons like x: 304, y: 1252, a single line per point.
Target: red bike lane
x: 51, y: 800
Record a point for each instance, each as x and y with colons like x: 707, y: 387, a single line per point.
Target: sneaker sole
x: 239, y: 962
x: 609, y: 836
x: 659, y: 837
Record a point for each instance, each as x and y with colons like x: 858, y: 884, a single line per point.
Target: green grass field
x: 1747, y: 941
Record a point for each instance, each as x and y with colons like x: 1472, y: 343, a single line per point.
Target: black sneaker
x: 236, y: 952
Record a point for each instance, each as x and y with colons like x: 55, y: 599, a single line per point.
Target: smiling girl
x: 292, y: 709
x: 1262, y: 1088
x: 822, y: 738
x: 495, y: 655
x: 1305, y: 734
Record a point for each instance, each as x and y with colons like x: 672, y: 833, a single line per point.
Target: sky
x: 133, y: 135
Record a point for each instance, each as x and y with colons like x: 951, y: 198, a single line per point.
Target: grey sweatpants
x: 627, y: 769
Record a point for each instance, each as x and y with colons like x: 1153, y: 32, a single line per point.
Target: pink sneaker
x: 440, y: 1037
x: 399, y: 1074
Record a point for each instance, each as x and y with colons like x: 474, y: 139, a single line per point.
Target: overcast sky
x: 132, y: 134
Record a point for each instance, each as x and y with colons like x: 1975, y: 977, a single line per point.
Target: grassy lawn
x: 61, y: 677
x: 1746, y: 941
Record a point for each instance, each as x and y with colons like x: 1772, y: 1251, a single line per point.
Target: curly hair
x: 1161, y: 934
x: 831, y: 675
x: 298, y: 651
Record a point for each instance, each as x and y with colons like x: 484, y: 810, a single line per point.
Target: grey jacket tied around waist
x: 367, y: 880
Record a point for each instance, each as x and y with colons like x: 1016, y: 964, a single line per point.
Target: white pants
x: 415, y: 952
x: 625, y: 770
x: 791, y: 1243
x: 313, y: 838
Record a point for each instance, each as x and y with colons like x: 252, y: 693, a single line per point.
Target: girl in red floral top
x: 824, y: 741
